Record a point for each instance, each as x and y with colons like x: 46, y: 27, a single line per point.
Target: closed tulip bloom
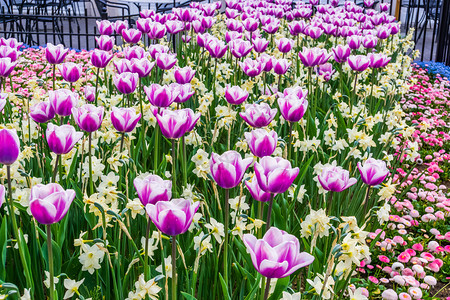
x: 208, y: 22
x: 275, y: 174
x: 192, y: 119
x: 256, y: 192
x: 378, y: 60
x: 120, y: 26
x: 235, y: 95
x: 143, y: 25
x: 335, y: 179
x: 258, y: 115
x: 161, y: 96
x: 147, y: 13
x: 62, y: 139
x: 142, y: 67
x: 232, y: 35
x: 229, y: 168
x: 157, y: 31
x: 261, y: 142
x: 373, y: 171
x: 341, y: 53
x: 354, y: 42
x: 13, y: 53
x: 49, y: 203
x: 172, y: 123
x: 285, y: 45
x: 166, y: 61
x: 55, y: 54
x: 271, y: 27
x: 105, y: 42
x: 172, y: 217
x: 174, y: 27
x: 11, y: 42
x: 281, y: 66
x: 153, y: 189
x: 234, y: 25
x: 136, y: 52
x: 6, y: 66
x: 358, y: 63
x: 70, y: 71
x: 124, y: 119
x: 292, y: 107
x: 240, y: 48
x: 62, y: 101
x: 277, y: 254
x: 250, y: 24
x: 184, y: 75
x: 131, y: 35
x: 314, y: 32
x: 384, y: 6
x: 42, y: 112
x: 216, y: 48
x: 89, y: 93
x: 312, y: 57
x: 325, y: 70
x: 100, y: 58
x: 9, y: 146
x: 203, y: 39
x: 296, y: 27
x: 104, y: 27
x: 251, y: 67
x: 185, y: 92
x: 126, y: 82
x: 383, y: 32
x: 123, y: 65
x: 260, y: 44
x: 369, y: 41
x: 88, y: 117
x: 267, y: 62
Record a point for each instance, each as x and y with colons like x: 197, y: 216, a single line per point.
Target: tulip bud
x: 63, y: 101
x: 275, y: 174
x: 71, y: 72
x: 153, y: 189
x: 261, y: 142
x: 124, y: 119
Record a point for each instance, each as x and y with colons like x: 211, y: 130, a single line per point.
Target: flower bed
x: 244, y: 155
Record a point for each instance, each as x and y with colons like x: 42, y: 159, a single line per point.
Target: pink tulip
x: 358, y: 63
x: 312, y: 57
x: 105, y: 42
x: 251, y: 67
x: 235, y: 95
x: 88, y: 117
x: 261, y: 142
x: 240, y: 48
x: 258, y: 115
x: 135, y: 52
x: 124, y: 119
x: 42, y: 112
x: 157, y: 31
x: 229, y: 168
x: 153, y: 189
x: 292, y: 107
x: 55, y: 54
x: 71, y: 72
x: 100, y: 58
x: 281, y: 66
x: 62, y: 139
x: 120, y: 26
x: 104, y: 27
x: 335, y: 179
x: 62, y: 101
x: 9, y: 146
x: 275, y: 174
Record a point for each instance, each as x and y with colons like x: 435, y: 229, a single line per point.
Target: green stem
x: 174, y: 268
x: 183, y: 146
x: 225, y: 248
x: 174, y: 171
x: 147, y: 233
x: 266, y: 293
x: 58, y: 157
x: 122, y: 137
x: 156, y: 156
x: 96, y: 86
x: 91, y: 184
x: 269, y: 212
x: 289, y: 145
x: 54, y: 74
x: 50, y: 260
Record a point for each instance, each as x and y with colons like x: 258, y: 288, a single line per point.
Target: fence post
x: 443, y: 44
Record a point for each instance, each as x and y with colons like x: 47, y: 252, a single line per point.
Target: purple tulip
x: 373, y: 171
x: 13, y: 53
x: 11, y: 42
x: 285, y: 45
x: 292, y: 107
x: 104, y: 27
x: 123, y: 65
x: 142, y: 66
x: 185, y: 92
x: 378, y: 60
x: 335, y: 179
x: 281, y: 66
x: 229, y: 168
x: 368, y: 3
x: 3, y: 97
x: 62, y: 139
x: 240, y: 48
x: 161, y: 96
x: 120, y: 26
x: 250, y: 24
x: 89, y: 93
x: 369, y: 41
x: 297, y: 27
x: 88, y: 117
x: 105, y: 42
x: 147, y: 13
x: 314, y: 32
x: 271, y: 27
x: 126, y: 82
x: 157, y: 31
x: 234, y: 25
x: 175, y: 124
x: 173, y: 27
x: 235, y: 95
x: 100, y: 58
x: 258, y: 115
x: 354, y: 42
x: 341, y: 53
x: 277, y: 254
x: 55, y: 54
x: 62, y: 101
x: 9, y: 146
x: 260, y: 44
x: 50, y: 203
x: 184, y: 75
x: 153, y: 189
x: 203, y: 39
x: 325, y: 70
x: 166, y: 61
x: 275, y: 174
x: 312, y: 57
x: 124, y: 119
x: 358, y: 63
x: 6, y: 66
x: 216, y: 48
x: 143, y: 25
x: 266, y: 61
x: 261, y: 142
x: 232, y: 35
x: 135, y: 52
x: 70, y: 71
x: 257, y: 193
x: 42, y: 112
x: 251, y: 67
x: 172, y: 217
x: 384, y: 6
x: 132, y: 36
x: 383, y: 32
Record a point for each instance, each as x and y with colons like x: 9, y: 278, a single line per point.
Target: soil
x: 442, y: 294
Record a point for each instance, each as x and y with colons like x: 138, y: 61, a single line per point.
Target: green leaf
x: 187, y: 296
x: 254, y: 288
x: 226, y: 294
x: 3, y: 244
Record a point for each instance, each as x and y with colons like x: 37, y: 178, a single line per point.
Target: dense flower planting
x: 274, y: 150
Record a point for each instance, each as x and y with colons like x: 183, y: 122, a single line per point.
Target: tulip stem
x: 366, y: 200
x: 54, y: 71
x: 290, y: 141
x: 91, y: 184
x: 225, y: 248
x: 50, y: 259
x: 121, y: 141
x: 155, y: 157
x: 183, y: 146
x: 267, y: 289
x: 269, y: 212
x: 12, y: 215
x: 174, y: 268
x: 174, y: 174
x: 96, y: 86
x: 147, y: 233
x: 56, y: 168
